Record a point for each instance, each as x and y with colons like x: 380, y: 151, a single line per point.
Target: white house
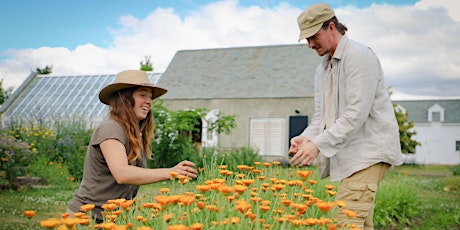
x: 437, y: 123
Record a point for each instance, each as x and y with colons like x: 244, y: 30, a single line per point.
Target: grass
x: 437, y: 189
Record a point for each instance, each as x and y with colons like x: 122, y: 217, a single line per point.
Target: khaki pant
x: 358, y: 192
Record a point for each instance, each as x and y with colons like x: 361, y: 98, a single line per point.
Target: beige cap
x: 311, y: 19
x: 129, y: 79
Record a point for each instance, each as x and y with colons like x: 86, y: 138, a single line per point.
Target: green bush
x: 396, y: 202
x: 456, y: 170
x: 63, y: 143
x: 14, y: 155
x: 54, y: 173
x: 231, y: 157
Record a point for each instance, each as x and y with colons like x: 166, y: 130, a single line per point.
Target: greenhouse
x: 49, y: 97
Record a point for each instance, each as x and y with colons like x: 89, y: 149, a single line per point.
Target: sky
x: 417, y: 41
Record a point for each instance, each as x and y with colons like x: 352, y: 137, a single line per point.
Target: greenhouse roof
x: 45, y: 96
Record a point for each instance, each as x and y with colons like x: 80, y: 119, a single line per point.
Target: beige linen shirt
x: 365, y: 131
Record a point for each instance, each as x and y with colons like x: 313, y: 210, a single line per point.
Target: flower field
x: 262, y: 196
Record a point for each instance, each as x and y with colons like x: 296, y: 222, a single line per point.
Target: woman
x: 116, y: 160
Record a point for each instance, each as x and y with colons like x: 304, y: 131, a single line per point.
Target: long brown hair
x: 140, y: 134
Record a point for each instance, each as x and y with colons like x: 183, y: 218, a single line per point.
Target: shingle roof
x: 245, y: 72
x: 418, y: 110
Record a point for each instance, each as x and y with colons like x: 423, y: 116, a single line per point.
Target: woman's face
x: 142, y: 102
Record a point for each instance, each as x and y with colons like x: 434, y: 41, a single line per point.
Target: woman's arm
x: 115, y: 155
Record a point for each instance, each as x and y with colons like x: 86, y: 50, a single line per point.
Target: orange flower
x: 163, y: 200
x: 267, y: 164
x: 173, y: 174
x: 286, y: 202
x: 241, y: 167
x: 164, y: 190
x: 349, y: 213
x: 200, y: 204
x: 329, y: 186
x: 197, y: 226
x: 212, y: 208
x: 248, y: 182
x: 116, y: 201
x: 203, y: 188
x: 187, y: 200
x: 235, y: 220
x: 87, y: 207
x: 331, y: 193
x: 276, y: 162
x: 324, y: 206
x: 29, y: 213
x: 242, y: 206
x: 256, y: 163
x: 278, y: 187
x: 69, y: 222
x: 240, y: 188
x: 264, y: 208
x: 65, y: 215
x: 168, y: 216
x: 127, y: 204
x: 226, y: 189
x: 304, y: 173
x: 340, y: 203
x: 152, y: 205
x: 240, y: 175
x: 222, y: 166
x: 50, y: 223
x: 312, y: 182
x: 225, y: 172
x: 109, y: 207
x: 80, y: 215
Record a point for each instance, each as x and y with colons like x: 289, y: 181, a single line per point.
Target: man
x: 354, y: 134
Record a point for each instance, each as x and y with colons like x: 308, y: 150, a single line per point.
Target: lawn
x: 437, y: 189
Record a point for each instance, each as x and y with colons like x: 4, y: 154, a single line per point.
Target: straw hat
x: 128, y: 79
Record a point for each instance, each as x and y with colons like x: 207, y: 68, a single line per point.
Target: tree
x: 174, y: 133
x: 406, y: 131
x: 46, y: 70
x: 4, y: 93
x: 147, y: 65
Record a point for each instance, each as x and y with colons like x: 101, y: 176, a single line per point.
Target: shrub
x: 456, y: 170
x: 396, y: 202
x: 14, y: 155
x: 232, y: 157
x: 55, y: 173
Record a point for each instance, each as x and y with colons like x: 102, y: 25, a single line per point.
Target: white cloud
x: 416, y: 44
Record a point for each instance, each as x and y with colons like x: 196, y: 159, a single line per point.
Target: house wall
x: 437, y: 143
x: 245, y: 109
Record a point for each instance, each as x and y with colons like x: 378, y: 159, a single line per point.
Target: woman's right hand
x: 185, y: 168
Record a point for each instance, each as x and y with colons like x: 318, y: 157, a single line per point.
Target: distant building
x: 269, y: 88
x: 437, y: 123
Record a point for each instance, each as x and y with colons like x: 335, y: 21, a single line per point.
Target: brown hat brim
x: 106, y: 92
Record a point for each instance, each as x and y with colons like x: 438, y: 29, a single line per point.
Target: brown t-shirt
x: 98, y: 185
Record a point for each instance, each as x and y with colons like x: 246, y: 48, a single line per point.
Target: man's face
x: 321, y: 41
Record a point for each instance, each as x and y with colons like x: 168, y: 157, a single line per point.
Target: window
x: 457, y: 145
x: 436, y: 113
x: 268, y: 136
x: 435, y: 116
